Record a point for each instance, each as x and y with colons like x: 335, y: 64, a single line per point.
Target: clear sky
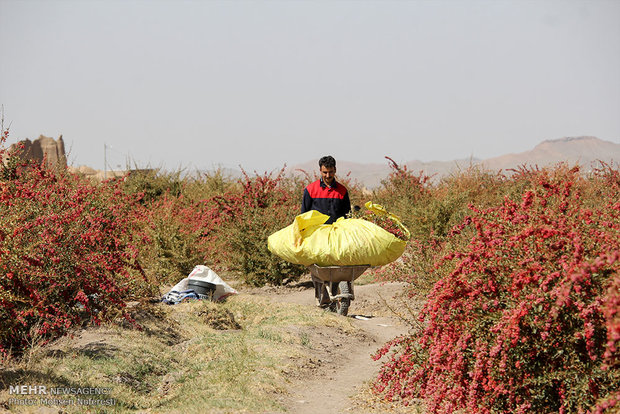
x: 198, y: 84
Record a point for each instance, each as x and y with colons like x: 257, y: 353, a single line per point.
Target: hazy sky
x: 198, y: 84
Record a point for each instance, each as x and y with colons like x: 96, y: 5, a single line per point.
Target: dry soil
x: 335, y: 376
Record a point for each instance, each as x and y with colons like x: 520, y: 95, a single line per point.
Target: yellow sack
x: 346, y: 242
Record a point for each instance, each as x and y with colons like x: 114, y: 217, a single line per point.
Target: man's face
x: 328, y: 174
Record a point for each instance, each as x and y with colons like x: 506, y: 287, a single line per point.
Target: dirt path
x: 339, y: 363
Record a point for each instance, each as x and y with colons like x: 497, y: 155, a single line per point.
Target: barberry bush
x: 430, y: 209
x: 68, y: 253
x: 265, y: 204
x: 182, y: 214
x: 176, y: 245
x: 523, y: 317
x: 223, y: 223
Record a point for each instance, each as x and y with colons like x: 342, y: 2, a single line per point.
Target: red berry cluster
x: 525, y: 317
x: 68, y: 253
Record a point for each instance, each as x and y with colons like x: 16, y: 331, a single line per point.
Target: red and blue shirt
x: 332, y: 201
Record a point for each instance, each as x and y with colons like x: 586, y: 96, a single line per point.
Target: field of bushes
x: 519, y: 272
x: 520, y: 281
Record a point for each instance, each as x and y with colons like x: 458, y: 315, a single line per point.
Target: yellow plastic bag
x: 346, y: 242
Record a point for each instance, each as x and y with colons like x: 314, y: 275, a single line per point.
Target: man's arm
x: 346, y: 205
x: 306, y: 203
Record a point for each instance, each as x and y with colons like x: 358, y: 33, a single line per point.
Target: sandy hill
x: 579, y: 150
x: 585, y: 151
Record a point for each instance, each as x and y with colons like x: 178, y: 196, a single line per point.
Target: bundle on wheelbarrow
x: 337, y: 252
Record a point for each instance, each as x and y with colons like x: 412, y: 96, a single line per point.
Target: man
x: 326, y: 195
x: 329, y: 197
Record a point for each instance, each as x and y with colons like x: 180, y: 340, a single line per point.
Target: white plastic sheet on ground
x: 205, y: 274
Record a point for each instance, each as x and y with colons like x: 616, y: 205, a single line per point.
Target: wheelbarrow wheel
x: 341, y: 306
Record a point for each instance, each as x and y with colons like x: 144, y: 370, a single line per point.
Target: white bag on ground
x: 204, y: 273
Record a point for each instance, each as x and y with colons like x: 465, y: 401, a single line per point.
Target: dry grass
x: 193, y: 357
x: 369, y: 402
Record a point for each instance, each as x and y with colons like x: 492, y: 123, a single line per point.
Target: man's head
x: 327, y: 166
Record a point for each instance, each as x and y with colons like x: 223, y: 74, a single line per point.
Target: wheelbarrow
x: 333, y: 286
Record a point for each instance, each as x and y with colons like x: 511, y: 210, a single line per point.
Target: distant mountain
x: 579, y: 150
x: 585, y: 151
